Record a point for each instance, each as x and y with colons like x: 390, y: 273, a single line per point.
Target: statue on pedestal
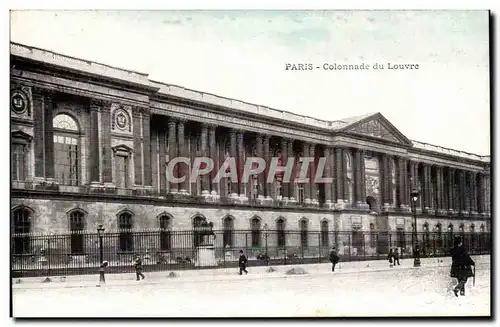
x: 205, y: 233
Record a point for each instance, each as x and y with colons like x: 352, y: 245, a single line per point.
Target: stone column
x: 107, y: 176
x: 307, y: 186
x: 439, y: 189
x: 261, y: 176
x: 39, y: 138
x: 49, y: 137
x: 386, y: 180
x: 312, y: 174
x: 284, y: 158
x: 357, y: 177
x: 406, y: 184
x: 146, y: 148
x: 137, y: 127
x: 390, y: 168
x: 241, y: 164
x: 233, y: 152
x: 267, y: 154
x: 94, y: 155
x: 344, y: 175
x: 451, y: 188
x: 463, y: 197
x: 328, y: 174
x: 363, y: 179
x: 205, y: 182
x: 426, y: 188
x: 480, y: 195
x: 473, y: 194
x: 333, y: 173
x: 172, y: 153
x: 214, y: 185
x: 401, y: 182
x: 339, y: 176
x: 291, y: 185
x: 182, y: 167
x: 163, y: 161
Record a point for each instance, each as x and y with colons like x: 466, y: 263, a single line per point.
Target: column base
x: 96, y: 184
x: 307, y: 201
x: 205, y: 193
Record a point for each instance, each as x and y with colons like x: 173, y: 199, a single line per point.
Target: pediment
x: 122, y: 150
x: 20, y: 136
x: 379, y: 127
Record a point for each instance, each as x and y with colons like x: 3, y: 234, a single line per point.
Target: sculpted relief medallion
x: 19, y: 102
x: 121, y: 120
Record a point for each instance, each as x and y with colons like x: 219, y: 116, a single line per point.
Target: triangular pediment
x: 377, y: 126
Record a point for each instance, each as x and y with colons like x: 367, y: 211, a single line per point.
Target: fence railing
x: 79, y: 252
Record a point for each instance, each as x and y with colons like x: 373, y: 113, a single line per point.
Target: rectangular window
x: 18, y: 162
x: 121, y: 172
x: 66, y: 160
x: 300, y: 193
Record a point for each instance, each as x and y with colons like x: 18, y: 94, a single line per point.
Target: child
x: 138, y: 268
x: 102, y: 278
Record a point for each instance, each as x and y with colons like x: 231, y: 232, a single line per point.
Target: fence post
x: 349, y: 245
x: 319, y: 247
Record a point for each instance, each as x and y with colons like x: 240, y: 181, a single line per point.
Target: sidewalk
x: 228, y: 274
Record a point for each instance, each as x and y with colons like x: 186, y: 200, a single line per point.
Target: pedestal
x: 206, y: 256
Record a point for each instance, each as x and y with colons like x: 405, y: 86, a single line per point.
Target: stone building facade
x: 91, y: 143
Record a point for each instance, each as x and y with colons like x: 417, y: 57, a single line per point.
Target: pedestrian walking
x: 390, y: 256
x: 334, y: 258
x: 242, y: 262
x: 460, y: 266
x: 138, y: 268
x: 395, y: 256
x: 102, y: 270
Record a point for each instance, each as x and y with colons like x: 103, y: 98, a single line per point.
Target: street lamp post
x: 266, y: 228
x: 100, y: 233
x: 416, y: 251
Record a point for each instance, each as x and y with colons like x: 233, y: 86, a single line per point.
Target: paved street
x: 392, y: 292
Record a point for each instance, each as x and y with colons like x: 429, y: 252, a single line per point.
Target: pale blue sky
x: 242, y: 55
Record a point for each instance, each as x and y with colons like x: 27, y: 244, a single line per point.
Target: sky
x: 243, y: 55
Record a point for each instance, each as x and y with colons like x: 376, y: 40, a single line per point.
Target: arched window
x: 373, y: 236
x: 325, y: 242
x: 66, y: 150
x: 165, y: 233
x: 76, y: 227
x: 255, y: 225
x: 22, y: 228
x: 227, y: 237
x: 125, y: 225
x: 197, y: 237
x: 304, y: 236
x: 280, y: 229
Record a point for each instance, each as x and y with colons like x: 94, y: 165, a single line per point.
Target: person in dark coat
x: 334, y: 258
x: 138, y: 268
x: 242, y: 263
x: 460, y: 266
x: 395, y: 256
x: 389, y: 257
x: 102, y: 270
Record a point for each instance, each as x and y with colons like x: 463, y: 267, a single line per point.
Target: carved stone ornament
x: 19, y: 102
x: 121, y: 120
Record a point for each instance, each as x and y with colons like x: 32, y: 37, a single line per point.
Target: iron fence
x: 79, y: 252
